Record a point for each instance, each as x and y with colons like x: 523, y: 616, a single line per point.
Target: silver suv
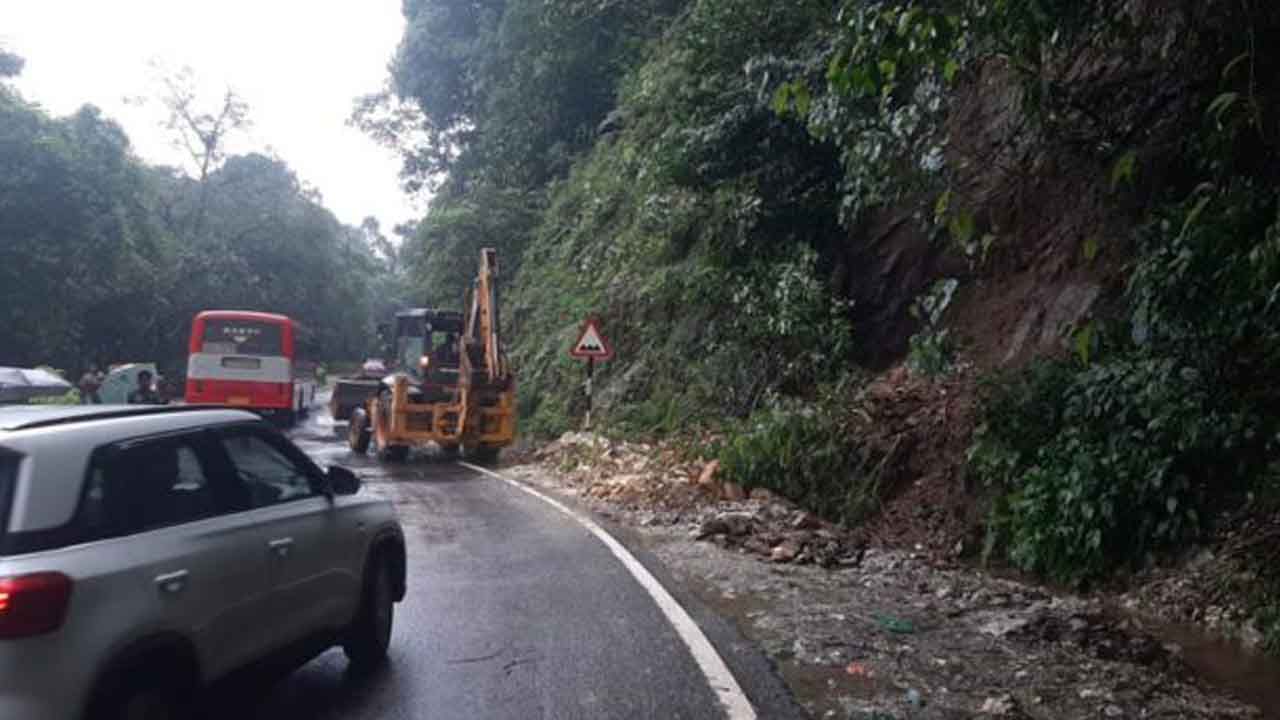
x: 147, y: 552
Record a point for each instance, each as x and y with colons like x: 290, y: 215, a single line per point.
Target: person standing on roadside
x: 145, y: 394
x: 90, y: 384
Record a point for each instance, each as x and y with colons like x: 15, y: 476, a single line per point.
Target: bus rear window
x: 243, y: 337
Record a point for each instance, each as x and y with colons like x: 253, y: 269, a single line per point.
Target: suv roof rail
x: 69, y: 418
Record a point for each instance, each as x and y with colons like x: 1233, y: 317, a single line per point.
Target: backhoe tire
x: 483, y: 455
x: 359, y: 433
x: 388, y: 453
x: 394, y: 453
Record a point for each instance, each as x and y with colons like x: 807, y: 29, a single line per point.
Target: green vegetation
x: 713, y: 180
x: 107, y: 259
x: 669, y: 199
x: 1131, y: 452
x: 812, y: 453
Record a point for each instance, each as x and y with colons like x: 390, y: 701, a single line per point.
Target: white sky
x: 298, y: 63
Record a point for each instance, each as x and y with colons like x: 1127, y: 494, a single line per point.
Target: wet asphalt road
x: 514, y: 610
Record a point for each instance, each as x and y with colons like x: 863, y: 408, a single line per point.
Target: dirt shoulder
x: 864, y: 631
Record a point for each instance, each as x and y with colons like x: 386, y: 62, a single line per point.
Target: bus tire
x: 359, y: 434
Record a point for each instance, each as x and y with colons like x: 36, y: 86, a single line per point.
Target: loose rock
x: 1002, y: 706
x: 786, y: 552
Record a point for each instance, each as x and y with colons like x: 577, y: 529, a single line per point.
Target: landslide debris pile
x: 655, y: 484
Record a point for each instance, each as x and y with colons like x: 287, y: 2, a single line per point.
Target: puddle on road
x: 1250, y: 676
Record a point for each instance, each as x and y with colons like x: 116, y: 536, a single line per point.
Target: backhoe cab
x: 451, y: 386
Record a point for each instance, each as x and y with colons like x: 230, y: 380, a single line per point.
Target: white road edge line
x: 718, y: 675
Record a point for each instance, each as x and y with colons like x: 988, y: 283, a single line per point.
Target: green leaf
x: 1226, y: 71
x: 803, y: 99
x: 1194, y: 215
x: 888, y: 70
x: 1090, y: 248
x: 950, y: 69
x: 988, y: 241
x: 836, y: 67
x: 1122, y: 171
x: 1221, y: 105
x: 782, y: 99
x: 961, y: 227
x: 1084, y: 342
x: 941, y: 207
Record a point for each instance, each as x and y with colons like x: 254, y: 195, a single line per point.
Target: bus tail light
x: 33, y: 604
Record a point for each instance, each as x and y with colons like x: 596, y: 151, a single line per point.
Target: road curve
x: 515, y: 610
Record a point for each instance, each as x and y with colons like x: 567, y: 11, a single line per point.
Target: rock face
x: 1045, y: 325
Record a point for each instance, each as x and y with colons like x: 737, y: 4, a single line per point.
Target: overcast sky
x: 298, y: 63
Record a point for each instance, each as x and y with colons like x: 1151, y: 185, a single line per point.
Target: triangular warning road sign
x: 591, y: 344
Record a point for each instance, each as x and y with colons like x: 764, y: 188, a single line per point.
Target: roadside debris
x: 657, y: 487
x: 866, y: 632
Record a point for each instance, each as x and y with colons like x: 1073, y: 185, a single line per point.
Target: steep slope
x: 971, y: 268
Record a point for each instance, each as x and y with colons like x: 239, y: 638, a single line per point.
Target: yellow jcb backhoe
x: 452, y: 384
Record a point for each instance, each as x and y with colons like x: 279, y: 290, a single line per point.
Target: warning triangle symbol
x: 591, y: 344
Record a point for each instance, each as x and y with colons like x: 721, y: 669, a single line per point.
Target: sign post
x: 591, y: 346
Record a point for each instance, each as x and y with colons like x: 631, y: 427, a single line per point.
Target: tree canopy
x: 107, y: 259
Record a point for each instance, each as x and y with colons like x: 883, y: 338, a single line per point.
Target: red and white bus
x: 250, y: 360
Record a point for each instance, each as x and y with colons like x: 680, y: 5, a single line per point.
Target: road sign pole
x: 591, y: 371
x: 591, y: 346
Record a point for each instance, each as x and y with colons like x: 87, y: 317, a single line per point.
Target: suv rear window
x: 131, y: 487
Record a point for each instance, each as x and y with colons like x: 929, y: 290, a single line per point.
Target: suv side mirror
x: 342, y: 481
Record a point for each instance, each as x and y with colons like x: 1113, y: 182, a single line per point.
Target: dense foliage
x: 1165, y: 417
x: 704, y: 175
x: 626, y: 164
x: 107, y: 260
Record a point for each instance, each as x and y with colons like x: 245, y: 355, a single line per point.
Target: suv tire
x: 146, y: 693
x: 370, y: 634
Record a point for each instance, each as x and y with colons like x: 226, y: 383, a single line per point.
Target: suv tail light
x: 33, y: 604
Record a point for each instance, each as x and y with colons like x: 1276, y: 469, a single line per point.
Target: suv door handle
x: 281, y: 547
x: 172, y: 583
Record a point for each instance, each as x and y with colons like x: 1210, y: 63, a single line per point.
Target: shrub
x: 932, y: 351
x: 1107, y: 463
x: 1106, y: 475
x: 808, y: 453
